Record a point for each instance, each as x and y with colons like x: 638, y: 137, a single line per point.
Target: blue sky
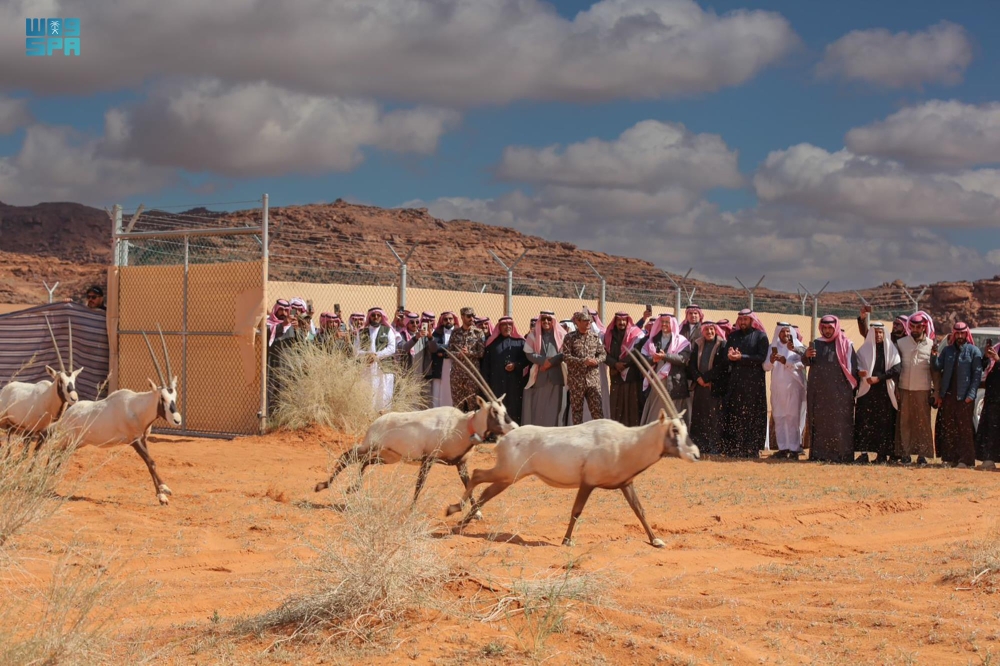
x: 195, y: 123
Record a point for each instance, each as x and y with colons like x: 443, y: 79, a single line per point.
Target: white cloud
x: 650, y: 157
x: 878, y: 190
x: 939, y: 54
x: 439, y: 52
x: 14, y: 114
x: 934, y: 134
x: 60, y: 164
x: 257, y: 129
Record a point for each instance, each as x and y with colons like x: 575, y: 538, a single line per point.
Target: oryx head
x: 498, y: 421
x: 676, y: 443
x: 65, y: 381
x: 166, y: 408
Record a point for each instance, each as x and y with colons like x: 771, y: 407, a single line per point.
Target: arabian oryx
x: 126, y: 417
x: 28, y: 409
x: 596, y: 454
x: 441, y: 435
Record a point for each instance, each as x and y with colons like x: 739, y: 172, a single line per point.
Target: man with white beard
x: 376, y: 342
x: 440, y: 373
x: 788, y: 390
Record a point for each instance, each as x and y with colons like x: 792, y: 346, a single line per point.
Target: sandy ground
x: 765, y: 562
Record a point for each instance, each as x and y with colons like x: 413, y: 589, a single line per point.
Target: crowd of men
x: 825, y: 396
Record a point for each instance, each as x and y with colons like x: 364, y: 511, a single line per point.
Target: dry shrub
x: 324, y: 385
x: 68, y: 619
x: 28, y: 481
x: 372, y: 568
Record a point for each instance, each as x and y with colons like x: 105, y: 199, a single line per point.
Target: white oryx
x: 596, y: 454
x: 443, y: 435
x: 126, y: 417
x: 28, y: 409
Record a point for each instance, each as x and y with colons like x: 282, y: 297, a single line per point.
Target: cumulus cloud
x: 439, y: 52
x: 939, y: 54
x: 14, y: 114
x: 60, y: 164
x: 650, y: 156
x: 877, y: 189
x: 258, y: 129
x: 942, y: 134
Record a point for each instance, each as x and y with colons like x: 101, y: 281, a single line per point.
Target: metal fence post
x: 677, y: 286
x: 915, y: 301
x: 263, y: 319
x: 121, y: 246
x: 602, y: 298
x: 815, y: 315
x: 750, y: 291
x: 401, y: 290
x: 508, y: 299
x: 184, y: 334
x: 49, y: 289
x: 868, y: 312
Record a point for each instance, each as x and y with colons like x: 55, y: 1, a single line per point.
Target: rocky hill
x: 70, y: 243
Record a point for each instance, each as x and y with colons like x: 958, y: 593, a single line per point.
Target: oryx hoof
x: 163, y: 499
x: 657, y: 543
x: 567, y: 542
x: 452, y: 509
x: 321, y: 486
x: 478, y: 515
x: 164, y: 490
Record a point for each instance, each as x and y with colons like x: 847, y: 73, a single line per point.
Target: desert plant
x: 28, y: 479
x: 68, y: 618
x: 326, y: 385
x: 381, y: 562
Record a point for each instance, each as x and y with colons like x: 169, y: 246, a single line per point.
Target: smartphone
x: 336, y: 308
x: 423, y: 327
x: 649, y: 307
x: 989, y: 343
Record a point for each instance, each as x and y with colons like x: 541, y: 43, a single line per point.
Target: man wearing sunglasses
x: 547, y: 381
x: 467, y: 342
x: 95, y: 298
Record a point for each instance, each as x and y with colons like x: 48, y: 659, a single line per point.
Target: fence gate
x: 204, y: 287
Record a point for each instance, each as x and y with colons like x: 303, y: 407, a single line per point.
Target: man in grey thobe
x: 544, y: 402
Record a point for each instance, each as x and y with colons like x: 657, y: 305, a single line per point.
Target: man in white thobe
x: 788, y: 390
x: 376, y: 342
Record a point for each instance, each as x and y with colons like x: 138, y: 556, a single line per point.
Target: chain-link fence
x: 200, y: 281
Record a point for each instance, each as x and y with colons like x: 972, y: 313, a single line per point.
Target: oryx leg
x: 370, y: 460
x: 633, y: 501
x: 492, y: 491
x: 582, y: 495
x: 479, y: 476
x: 161, y: 489
x: 463, y: 474
x: 425, y: 468
x: 343, y: 461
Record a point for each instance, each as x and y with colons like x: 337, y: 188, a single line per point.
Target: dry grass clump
x: 28, y: 480
x: 66, y: 620
x: 323, y: 384
x: 378, y: 564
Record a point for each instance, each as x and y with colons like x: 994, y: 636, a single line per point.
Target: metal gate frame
x: 120, y: 251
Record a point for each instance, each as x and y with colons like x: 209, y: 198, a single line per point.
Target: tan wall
x: 14, y: 307
x: 225, y: 305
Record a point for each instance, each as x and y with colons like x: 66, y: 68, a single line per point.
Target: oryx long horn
x: 166, y: 356
x: 655, y: 382
x: 472, y: 372
x: 55, y: 344
x: 69, y: 323
x: 156, y: 363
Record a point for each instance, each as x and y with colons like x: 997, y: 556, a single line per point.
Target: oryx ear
x: 52, y: 373
x: 681, y: 415
x: 663, y: 416
x: 173, y: 383
x: 500, y: 399
x: 479, y: 399
x: 152, y: 385
x: 76, y: 373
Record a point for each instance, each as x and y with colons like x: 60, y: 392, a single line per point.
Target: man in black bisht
x: 504, y: 364
x: 744, y: 426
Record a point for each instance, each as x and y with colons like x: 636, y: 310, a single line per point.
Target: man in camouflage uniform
x: 583, y: 353
x: 467, y: 342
